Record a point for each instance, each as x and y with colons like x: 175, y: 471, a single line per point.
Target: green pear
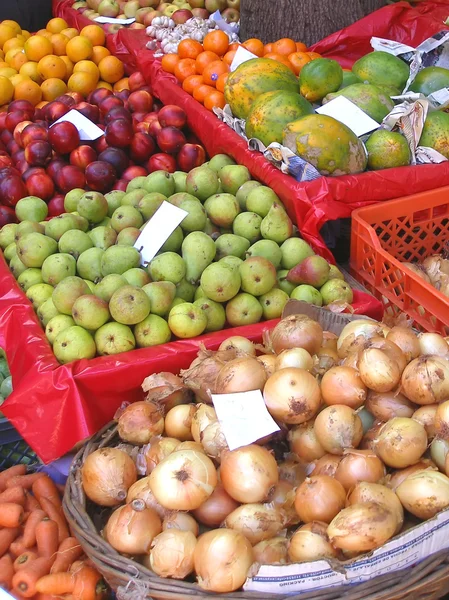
x: 180, y: 181
x: 161, y: 182
x: 222, y: 209
x: 10, y: 251
x: 198, y: 251
x: 247, y: 224
x: 273, y: 303
x: 126, y: 216
x: 93, y: 206
x: 335, y: 273
x: 243, y: 309
x: 161, y: 295
x: 114, y: 200
x: 29, y: 277
x: 294, y: 251
x: 118, y: 259
x: 128, y: 236
x: 56, y: 325
x: 28, y: 227
x: 46, y: 311
x: 91, y: 285
x: 260, y: 199
x: 67, y: 291
x: 336, y: 290
x: 268, y: 249
x: 187, y: 320
x: 244, y: 190
x: 81, y: 223
x: 307, y: 293
x: 219, y: 161
x: 114, y: 338
x: 129, y: 305
x: 149, y: 204
x: 277, y: 225
x: 176, y: 302
x: 103, y: 237
x: 215, y: 313
x: 74, y: 343
x: 199, y: 293
x: 133, y: 197
x: 74, y: 242
x: 34, y: 248
x: 220, y: 282
x: 7, y: 234
x: 152, y: 331
x: 283, y: 283
x: 31, y: 208
x: 57, y: 267
x: 196, y: 218
x: 135, y: 184
x: 72, y: 198
x: 16, y: 266
x: 232, y: 177
x: 185, y: 290
x: 232, y: 261
x: 106, y: 222
x: 258, y: 275
x: 108, y: 285
x: 57, y: 226
x: 167, y: 266
x: 174, y: 242
x: 136, y: 276
x: 229, y: 244
x: 90, y: 312
x: 38, y: 293
x: 89, y: 263
x: 211, y: 230
x: 202, y: 182
x: 178, y: 198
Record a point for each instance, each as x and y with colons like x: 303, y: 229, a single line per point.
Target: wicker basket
x: 131, y: 581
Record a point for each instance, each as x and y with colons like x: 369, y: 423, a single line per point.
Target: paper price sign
x: 86, y: 128
x: 349, y: 114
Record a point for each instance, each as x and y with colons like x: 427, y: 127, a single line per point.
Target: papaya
x: 435, y: 133
x: 331, y: 147
x: 253, y: 78
x: 382, y: 68
x: 349, y: 78
x: 387, y: 149
x: 271, y: 112
x: 430, y: 79
x: 368, y: 98
x: 320, y: 77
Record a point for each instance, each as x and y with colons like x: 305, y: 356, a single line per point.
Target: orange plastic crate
x: 386, y: 235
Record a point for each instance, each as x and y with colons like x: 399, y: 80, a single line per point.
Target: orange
x: 284, y: 46
x: 70, y: 32
x: 87, y: 66
x: 6, y: 90
x: 44, y: 33
x: 26, y: 34
x: 79, y: 48
x: 52, y: 66
x: 2, y: 55
x: 216, y: 41
x: 200, y: 92
x: 52, y: 88
x: 28, y: 90
x: 16, y: 58
x: 111, y: 69
x: 169, y: 62
x: 6, y: 33
x: 298, y: 60
x: 314, y: 55
x: 189, y: 48
x: 59, y: 43
x: 279, y: 58
x: 4, y: 64
x: 56, y: 25
x: 220, y: 84
x: 214, y: 99
x: 184, y: 68
x: 104, y: 84
x: 255, y: 46
x: 98, y: 53
x: 234, y: 46
x: 268, y: 48
x: 36, y: 47
x: 13, y: 24
x: 82, y: 82
x: 68, y: 65
x: 16, y: 79
x: 229, y: 57
x: 95, y: 34
x: 301, y: 47
x: 29, y: 69
x: 41, y: 104
x: 121, y: 84
x: 7, y: 71
x: 191, y: 82
x: 11, y: 44
x: 204, y: 59
x: 213, y: 71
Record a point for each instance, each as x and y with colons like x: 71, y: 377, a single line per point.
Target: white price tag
x: 158, y: 229
x: 241, y: 56
x: 349, y: 114
x: 112, y: 20
x: 86, y: 128
x: 243, y: 417
x: 5, y: 596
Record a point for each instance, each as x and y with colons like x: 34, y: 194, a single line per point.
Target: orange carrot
x: 49, y: 597
x: 56, y: 515
x: 7, y: 536
x: 10, y: 473
x: 77, y: 566
x: 29, y: 532
x: 56, y: 584
x: 47, y: 538
x: 44, y: 487
x: 11, y: 515
x: 24, y: 581
x: 6, y: 572
x: 17, y: 547
x: 26, y: 481
x: 15, y: 494
x: 89, y: 584
x: 24, y: 559
x: 31, y: 503
x: 68, y: 552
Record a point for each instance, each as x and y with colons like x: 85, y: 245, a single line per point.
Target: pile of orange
x: 202, y: 69
x: 55, y: 60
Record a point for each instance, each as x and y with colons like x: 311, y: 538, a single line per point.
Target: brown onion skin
x: 426, y: 416
x: 343, y: 385
x: 387, y: 405
x: 406, y: 340
x: 216, y: 508
x: 141, y: 491
x: 292, y: 471
x: 319, y: 498
x: 242, y: 374
x: 257, y: 522
x: 397, y: 477
x: 297, y: 331
x: 355, y: 335
x: 304, y: 444
x: 329, y: 340
x: 390, y: 348
x: 327, y: 465
x: 401, y: 442
x: 378, y: 370
x: 131, y: 531
x: 139, y: 422
x: 441, y: 422
x: 271, y: 552
x: 310, y: 542
x: 337, y: 428
x: 424, y: 380
x: 369, y: 439
x: 103, y: 482
x: 424, y: 493
x: 379, y: 494
x: 359, y: 465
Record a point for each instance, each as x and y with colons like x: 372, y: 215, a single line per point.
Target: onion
x: 387, y: 405
x: 310, y: 542
x: 418, y: 270
x: 303, y: 442
x: 271, y: 552
x: 282, y: 496
x: 369, y: 439
x: 390, y: 349
x: 326, y: 358
x: 139, y: 422
x: 216, y: 508
x: 241, y: 345
x: 222, y: 559
x: 329, y: 340
x: 359, y: 465
x: 355, y: 334
x: 158, y: 449
x: 190, y: 446
x: 327, y: 465
x: 362, y: 527
x: 378, y: 371
x: 343, y: 385
x: 182, y: 521
x: 435, y: 266
x: 214, y: 441
x: 106, y: 475
x: 424, y: 493
x: 426, y: 380
x: 441, y: 422
x: 257, y: 522
x: 131, y: 528
x: 178, y: 422
x: 172, y: 554
x: 184, y: 480
x: 367, y: 418
x: 401, y: 442
x: 379, y: 494
x: 166, y: 389
x: 338, y: 427
x: 319, y: 498
x: 292, y: 396
x: 433, y: 344
x: 269, y: 363
x: 292, y: 471
x: 200, y: 377
x: 352, y: 360
x: 406, y: 340
x: 426, y: 416
x: 397, y: 477
x: 241, y: 375
x: 439, y: 450
x: 204, y: 416
x: 294, y: 357
x: 141, y: 491
x: 248, y: 473
x: 297, y: 331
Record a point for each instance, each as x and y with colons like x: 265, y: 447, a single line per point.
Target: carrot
x: 29, y: 532
x: 14, y: 494
x: 24, y: 581
x: 89, y: 584
x: 9, y: 473
x: 56, y: 515
x: 44, y: 487
x: 68, y: 552
x: 49, y: 597
x: 31, y: 503
x: 26, y: 481
x: 6, y: 572
x: 77, y: 566
x: 56, y: 584
x: 47, y: 538
x: 17, y: 547
x: 7, y: 536
x: 24, y: 559
x: 11, y: 515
